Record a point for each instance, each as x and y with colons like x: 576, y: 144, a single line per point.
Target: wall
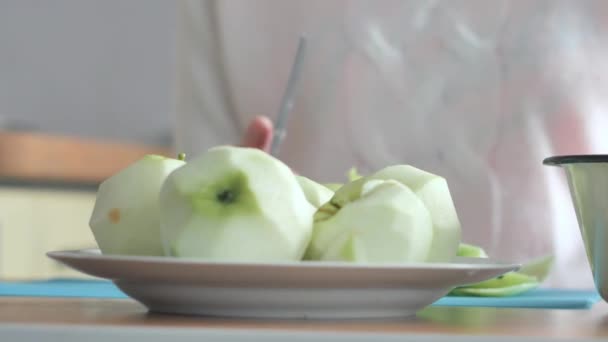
x: 94, y: 68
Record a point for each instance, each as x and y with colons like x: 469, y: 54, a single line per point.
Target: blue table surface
x: 541, y: 298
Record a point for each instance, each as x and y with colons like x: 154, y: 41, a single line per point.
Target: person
x: 478, y: 92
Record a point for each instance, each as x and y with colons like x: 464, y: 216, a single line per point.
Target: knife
x: 288, y: 98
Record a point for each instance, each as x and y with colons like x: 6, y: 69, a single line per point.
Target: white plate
x: 281, y: 290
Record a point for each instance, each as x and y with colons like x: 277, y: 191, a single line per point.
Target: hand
x: 259, y: 134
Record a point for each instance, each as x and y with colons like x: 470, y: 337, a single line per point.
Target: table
x: 69, y: 314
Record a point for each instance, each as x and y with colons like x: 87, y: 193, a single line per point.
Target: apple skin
x: 470, y: 251
x: 235, y: 204
x: 125, y: 218
x: 333, y: 186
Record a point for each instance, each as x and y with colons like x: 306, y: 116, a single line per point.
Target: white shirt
x: 478, y: 92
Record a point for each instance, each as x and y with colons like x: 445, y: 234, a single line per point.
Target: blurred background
x: 476, y: 91
x: 85, y: 88
x: 93, y: 68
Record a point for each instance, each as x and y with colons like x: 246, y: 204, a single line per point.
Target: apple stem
x: 181, y: 156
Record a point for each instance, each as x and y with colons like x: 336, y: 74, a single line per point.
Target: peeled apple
x: 125, y: 218
x: 235, y: 204
x: 433, y: 191
x: 372, y: 222
x: 315, y: 193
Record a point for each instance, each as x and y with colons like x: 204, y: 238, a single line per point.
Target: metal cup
x: 588, y: 183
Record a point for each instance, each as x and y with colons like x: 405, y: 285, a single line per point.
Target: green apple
x: 316, y: 194
x: 125, y: 217
x: 434, y: 192
x: 235, y: 204
x: 372, y: 221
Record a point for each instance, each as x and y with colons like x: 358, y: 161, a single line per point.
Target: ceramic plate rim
x: 475, y: 263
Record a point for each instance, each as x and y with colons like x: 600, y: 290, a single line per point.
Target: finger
x: 258, y: 134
